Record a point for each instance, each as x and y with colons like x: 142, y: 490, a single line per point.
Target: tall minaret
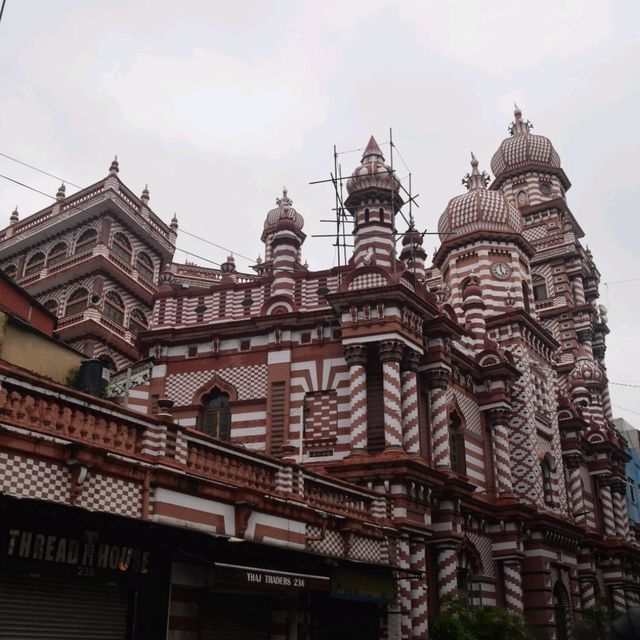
x: 373, y: 201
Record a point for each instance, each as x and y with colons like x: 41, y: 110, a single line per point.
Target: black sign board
x: 228, y: 576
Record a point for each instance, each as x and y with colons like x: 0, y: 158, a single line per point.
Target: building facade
x: 406, y: 432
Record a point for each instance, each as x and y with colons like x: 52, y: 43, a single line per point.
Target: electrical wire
x: 2, y: 9
x: 42, y: 171
x: 617, y: 406
x: 623, y: 384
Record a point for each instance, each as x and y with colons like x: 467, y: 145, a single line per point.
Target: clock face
x: 501, y: 270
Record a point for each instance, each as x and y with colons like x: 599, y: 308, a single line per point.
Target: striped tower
x: 499, y: 420
x: 513, y: 585
x: 620, y: 512
x: 404, y: 588
x: 438, y: 381
x: 587, y: 591
x: 413, y: 254
x: 391, y: 354
x: 285, y: 245
x: 572, y: 464
x: 410, y: 422
x: 356, y: 357
x: 373, y: 201
x: 419, y: 600
x: 606, y: 501
x: 619, y: 599
x: 474, y: 308
x: 447, y: 570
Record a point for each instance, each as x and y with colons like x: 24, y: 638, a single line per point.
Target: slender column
x: 576, y: 494
x: 606, y: 502
x: 438, y: 380
x: 633, y: 597
x: 619, y: 599
x: 447, y: 568
x: 620, y: 512
x: 419, y: 600
x: 587, y: 592
x: 513, y: 585
x: 499, y: 420
x: 404, y: 588
x: 410, y: 423
x: 391, y: 354
x: 356, y: 357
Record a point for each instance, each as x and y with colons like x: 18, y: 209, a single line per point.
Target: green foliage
x: 602, y: 616
x: 73, y: 377
x: 456, y: 621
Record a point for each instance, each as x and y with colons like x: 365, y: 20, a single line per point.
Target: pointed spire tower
x: 373, y: 201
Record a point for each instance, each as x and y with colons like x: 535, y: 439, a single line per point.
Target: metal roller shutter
x: 226, y: 617
x: 34, y: 608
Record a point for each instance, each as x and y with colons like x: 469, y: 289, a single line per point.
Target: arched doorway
x: 562, y: 608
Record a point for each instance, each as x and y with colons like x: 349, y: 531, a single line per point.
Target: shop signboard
x: 366, y: 587
x: 228, y: 576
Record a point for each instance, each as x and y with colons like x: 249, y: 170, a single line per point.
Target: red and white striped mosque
x: 334, y: 453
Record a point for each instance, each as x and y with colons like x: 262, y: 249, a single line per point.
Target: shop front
x: 66, y: 572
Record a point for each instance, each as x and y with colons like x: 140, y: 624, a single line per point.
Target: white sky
x: 218, y: 104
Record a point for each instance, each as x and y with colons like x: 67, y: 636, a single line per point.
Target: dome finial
x: 174, y: 221
x: 285, y: 201
x: 519, y: 125
x: 145, y: 194
x: 475, y: 179
x: 115, y: 166
x: 61, y: 192
x: 372, y: 152
x: 15, y: 217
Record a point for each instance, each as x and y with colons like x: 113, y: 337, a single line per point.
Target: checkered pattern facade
x: 250, y: 383
x: 29, y: 477
x: 367, y: 281
x: 321, y: 415
x: 106, y: 493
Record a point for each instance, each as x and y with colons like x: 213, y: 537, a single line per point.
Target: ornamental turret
x: 373, y: 201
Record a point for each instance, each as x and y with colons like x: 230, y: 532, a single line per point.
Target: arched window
x: 366, y: 215
x: 547, y: 468
x: 122, y: 247
x: 87, y: 239
x: 57, y: 254
x: 114, y: 307
x: 11, y: 270
x: 215, y: 419
x: 52, y: 306
x: 34, y: 264
x: 526, y: 299
x: 77, y: 301
x: 144, y: 265
x: 456, y: 444
x: 137, y: 321
x: 539, y: 287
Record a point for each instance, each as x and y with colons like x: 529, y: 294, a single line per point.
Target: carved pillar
x: 391, y: 354
x: 576, y: 495
x: 606, y: 502
x: 620, y: 512
x: 619, y: 599
x: 447, y: 571
x: 356, y: 357
x: 499, y: 421
x: 404, y: 588
x: 438, y: 381
x: 410, y: 422
x: 513, y: 585
x: 419, y: 600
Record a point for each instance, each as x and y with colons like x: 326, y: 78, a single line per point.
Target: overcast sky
x: 218, y: 104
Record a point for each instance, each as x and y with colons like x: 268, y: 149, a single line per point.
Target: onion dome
x: 174, y: 222
x: 284, y: 211
x: 372, y: 172
x: 15, y: 216
x: 586, y: 372
x: 145, y: 194
x: 523, y: 149
x: 115, y: 166
x: 479, y: 210
x: 61, y: 192
x: 229, y: 266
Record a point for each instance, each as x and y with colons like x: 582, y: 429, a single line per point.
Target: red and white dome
x: 373, y: 172
x: 523, y: 149
x: 478, y: 210
x: 284, y: 211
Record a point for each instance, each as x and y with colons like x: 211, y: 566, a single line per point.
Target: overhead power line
x: 2, y: 9
x: 617, y: 406
x: 624, y: 384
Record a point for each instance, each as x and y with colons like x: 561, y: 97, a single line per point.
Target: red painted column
x: 410, y: 422
x: 499, y: 420
x: 419, y: 601
x: 438, y: 381
x: 356, y: 357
